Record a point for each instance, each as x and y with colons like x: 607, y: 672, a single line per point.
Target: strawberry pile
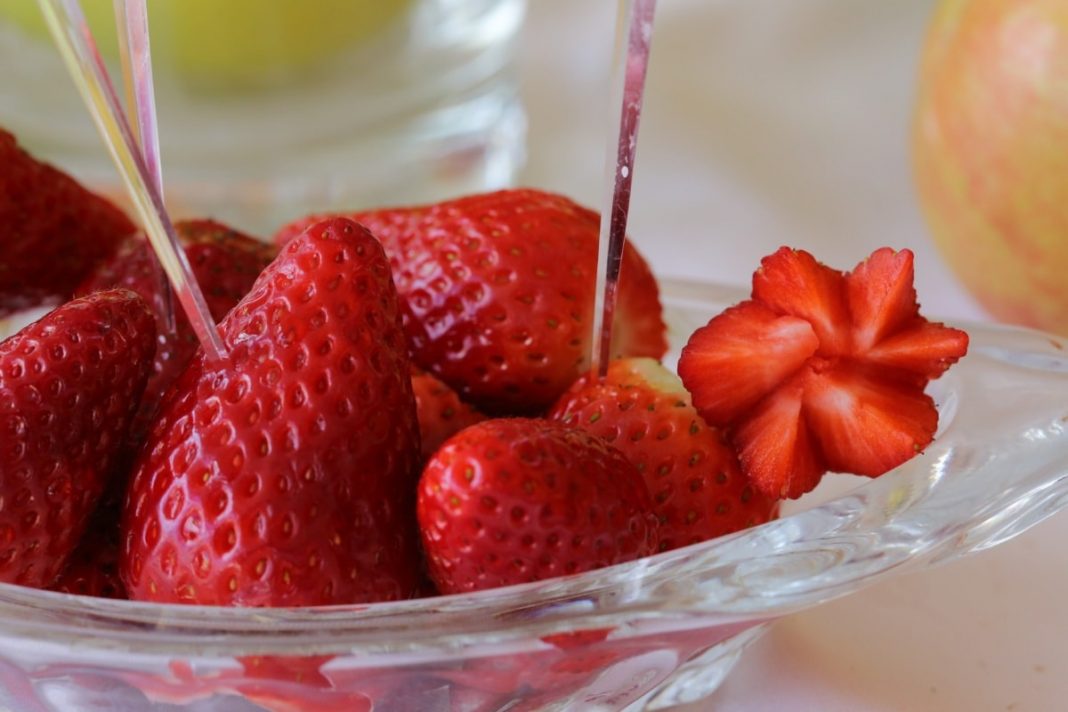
x: 405, y: 405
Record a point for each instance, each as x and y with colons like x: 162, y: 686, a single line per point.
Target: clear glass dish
x: 645, y: 635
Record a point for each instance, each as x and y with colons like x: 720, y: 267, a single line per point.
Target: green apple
x: 235, y: 44
x: 990, y: 145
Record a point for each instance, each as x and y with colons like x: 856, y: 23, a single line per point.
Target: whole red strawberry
x: 440, y: 411
x: 225, y: 263
x: 285, y: 474
x: 643, y: 409
x: 821, y: 370
x: 52, y: 230
x: 69, y: 385
x: 515, y: 500
x: 498, y: 291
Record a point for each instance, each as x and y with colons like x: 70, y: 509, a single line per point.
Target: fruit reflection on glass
x: 991, y: 152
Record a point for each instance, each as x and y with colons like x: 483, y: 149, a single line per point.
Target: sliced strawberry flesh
x: 740, y: 356
x: 864, y: 422
x: 791, y: 282
x: 923, y: 348
x: 775, y: 445
x: 881, y: 296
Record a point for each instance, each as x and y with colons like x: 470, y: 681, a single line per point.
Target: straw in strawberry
x: 131, y: 20
x: 634, y: 27
x: 68, y: 27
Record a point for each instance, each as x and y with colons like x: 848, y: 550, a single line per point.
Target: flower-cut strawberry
x: 821, y: 370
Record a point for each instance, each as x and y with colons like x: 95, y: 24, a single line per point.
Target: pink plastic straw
x: 76, y: 45
x: 634, y: 33
x: 131, y: 22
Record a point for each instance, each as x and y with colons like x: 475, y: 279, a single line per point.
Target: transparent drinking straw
x: 131, y: 23
x: 66, y: 22
x: 634, y: 32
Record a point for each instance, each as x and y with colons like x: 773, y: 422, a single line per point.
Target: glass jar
x: 270, y: 110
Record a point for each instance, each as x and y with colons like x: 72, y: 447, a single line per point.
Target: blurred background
x: 766, y: 123
x: 271, y: 110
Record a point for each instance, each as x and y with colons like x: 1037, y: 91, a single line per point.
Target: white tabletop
x: 785, y: 122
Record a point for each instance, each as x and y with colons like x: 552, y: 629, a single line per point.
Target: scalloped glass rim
x: 998, y: 466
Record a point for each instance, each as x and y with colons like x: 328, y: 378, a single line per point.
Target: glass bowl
x: 649, y: 634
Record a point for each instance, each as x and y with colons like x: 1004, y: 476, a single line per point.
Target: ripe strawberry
x: 642, y: 409
x: 69, y: 385
x: 386, y: 224
x: 52, y: 230
x: 516, y: 500
x: 285, y: 474
x: 440, y: 411
x: 498, y: 290
x: 821, y: 370
x: 225, y: 263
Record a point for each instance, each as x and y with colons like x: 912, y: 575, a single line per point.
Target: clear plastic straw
x: 131, y: 23
x: 634, y: 33
x: 66, y: 21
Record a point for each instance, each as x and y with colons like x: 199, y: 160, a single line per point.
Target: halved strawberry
x: 851, y: 399
x: 497, y: 292
x: 643, y: 409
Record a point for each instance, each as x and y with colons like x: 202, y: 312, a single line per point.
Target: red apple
x: 991, y: 152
